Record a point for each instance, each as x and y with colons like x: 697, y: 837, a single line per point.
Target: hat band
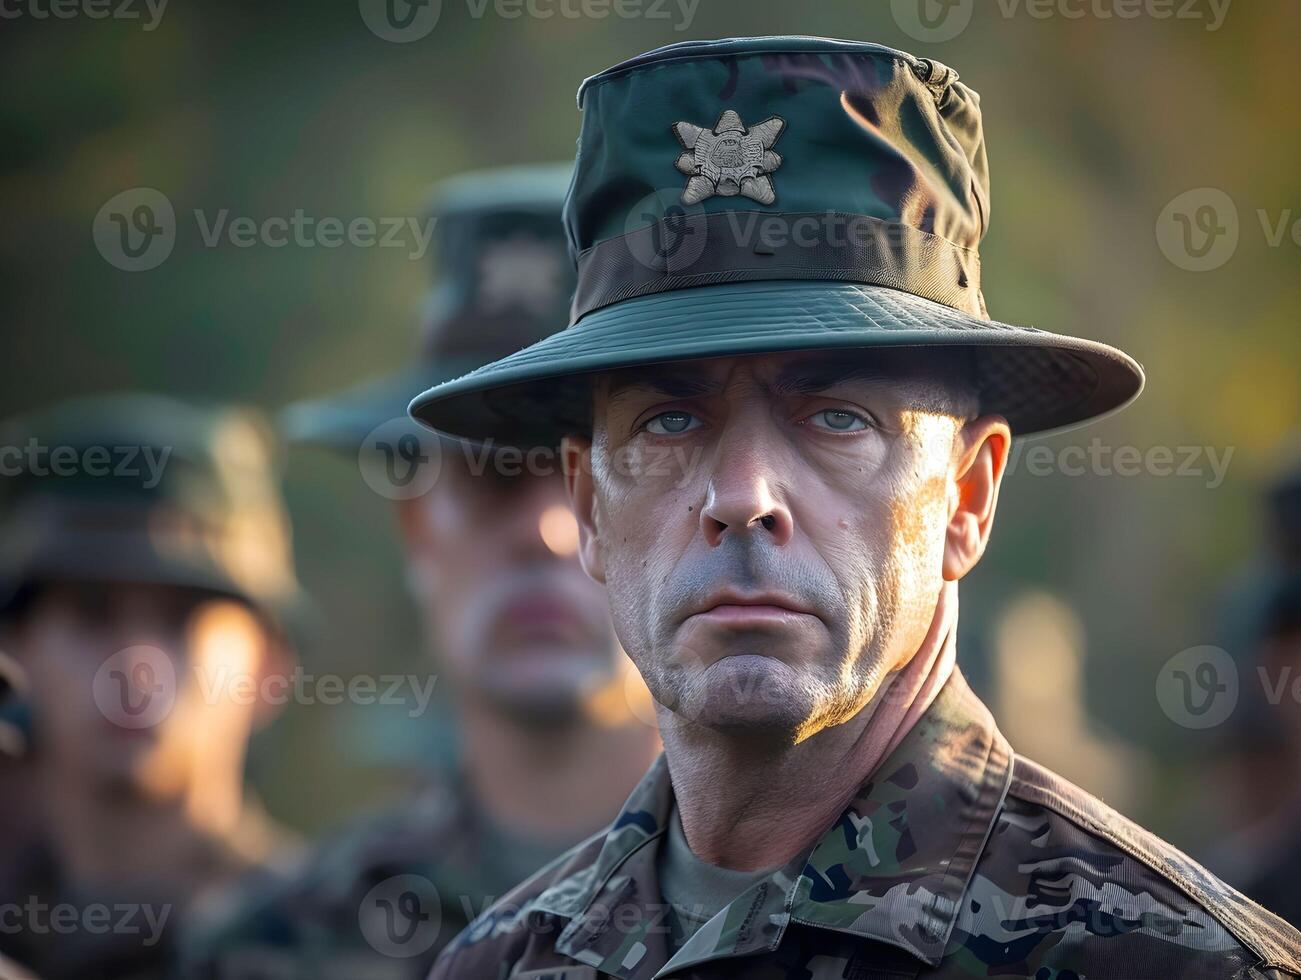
x: 684, y: 249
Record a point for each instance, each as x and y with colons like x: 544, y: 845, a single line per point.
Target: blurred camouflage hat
x: 757, y: 195
x: 142, y: 488
x: 504, y: 280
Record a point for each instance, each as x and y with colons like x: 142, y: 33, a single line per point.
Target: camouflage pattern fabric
x: 378, y: 900
x: 956, y: 859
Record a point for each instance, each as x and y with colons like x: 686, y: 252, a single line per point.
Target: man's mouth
x: 758, y: 608
x: 539, y: 614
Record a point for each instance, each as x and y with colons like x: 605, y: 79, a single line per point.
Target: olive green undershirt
x: 695, y: 890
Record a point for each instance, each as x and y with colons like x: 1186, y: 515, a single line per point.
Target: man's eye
x: 839, y: 420
x: 672, y: 423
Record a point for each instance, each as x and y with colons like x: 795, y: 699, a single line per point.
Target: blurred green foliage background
x: 1095, y: 123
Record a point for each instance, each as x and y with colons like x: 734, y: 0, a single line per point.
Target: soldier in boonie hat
x: 540, y: 691
x: 504, y: 280
x: 146, y: 570
x: 786, y: 416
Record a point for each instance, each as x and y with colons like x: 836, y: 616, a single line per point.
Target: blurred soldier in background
x: 146, y: 574
x: 1272, y: 867
x: 1253, y: 770
x: 19, y: 816
x: 551, y: 738
x: 1040, y: 658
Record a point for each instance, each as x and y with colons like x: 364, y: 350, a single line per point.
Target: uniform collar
x: 892, y: 869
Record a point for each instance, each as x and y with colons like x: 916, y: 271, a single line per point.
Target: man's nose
x: 740, y: 498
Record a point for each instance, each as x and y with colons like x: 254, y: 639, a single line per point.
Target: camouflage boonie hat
x: 141, y: 488
x: 757, y: 195
x: 504, y: 280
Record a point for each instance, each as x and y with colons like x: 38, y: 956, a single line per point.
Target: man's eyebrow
x: 808, y: 379
x: 671, y: 385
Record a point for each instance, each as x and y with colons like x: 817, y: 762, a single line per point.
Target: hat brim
x: 1039, y: 381
x: 343, y: 421
x: 125, y: 556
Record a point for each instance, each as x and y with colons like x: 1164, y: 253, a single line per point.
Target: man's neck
x: 748, y: 804
x: 536, y: 781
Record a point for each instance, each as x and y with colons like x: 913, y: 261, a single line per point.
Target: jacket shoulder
x: 522, y: 922
x: 1174, y: 894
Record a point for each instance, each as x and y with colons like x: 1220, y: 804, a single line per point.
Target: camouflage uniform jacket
x: 956, y: 859
x: 375, y: 901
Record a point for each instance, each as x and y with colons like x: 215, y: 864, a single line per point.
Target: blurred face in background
x: 142, y: 688
x: 513, y: 616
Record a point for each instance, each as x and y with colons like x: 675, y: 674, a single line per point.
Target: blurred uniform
x: 381, y: 898
x: 19, y: 817
x: 145, y: 552
x: 1253, y: 773
x: 1270, y: 868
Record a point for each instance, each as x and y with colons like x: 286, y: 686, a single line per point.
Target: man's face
x: 131, y: 685
x: 773, y: 531
x: 516, y: 621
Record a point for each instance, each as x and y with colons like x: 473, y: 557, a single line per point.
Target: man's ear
x: 576, y: 453
x: 978, y: 468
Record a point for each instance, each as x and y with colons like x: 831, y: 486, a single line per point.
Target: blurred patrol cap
x: 141, y: 488
x: 504, y: 280
x: 759, y: 195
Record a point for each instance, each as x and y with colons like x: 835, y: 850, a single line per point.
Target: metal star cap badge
x: 730, y: 159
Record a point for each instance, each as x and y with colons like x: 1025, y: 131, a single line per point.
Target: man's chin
x: 545, y: 686
x: 746, y: 693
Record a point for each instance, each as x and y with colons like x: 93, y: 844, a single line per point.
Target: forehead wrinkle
x: 809, y: 379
